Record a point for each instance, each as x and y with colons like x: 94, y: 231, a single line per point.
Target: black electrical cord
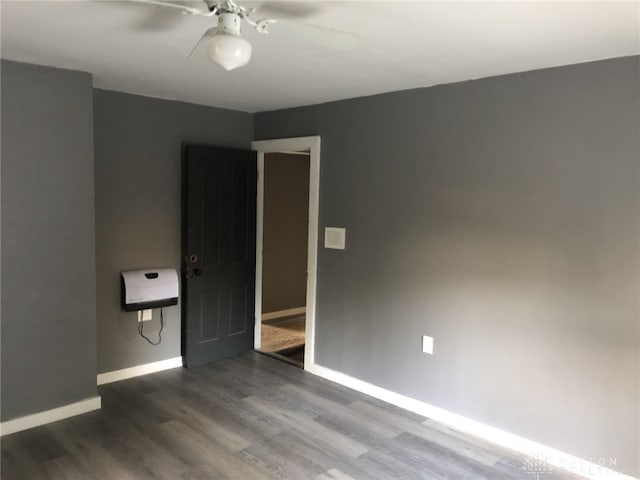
x: 141, y: 327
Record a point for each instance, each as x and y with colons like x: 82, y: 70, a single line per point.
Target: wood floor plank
x: 496, y: 450
x: 387, y: 416
x: 87, y: 450
x: 214, y: 431
x: 131, y: 445
x: 64, y: 467
x: 275, y: 452
x: 326, y: 455
x: 251, y: 417
x: 307, y: 424
x: 334, y: 474
x: 385, y: 467
x: 442, y: 459
x: 20, y: 462
x: 325, y: 407
x: 207, y: 453
x: 225, y: 408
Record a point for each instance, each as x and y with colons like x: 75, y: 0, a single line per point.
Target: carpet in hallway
x: 282, y: 333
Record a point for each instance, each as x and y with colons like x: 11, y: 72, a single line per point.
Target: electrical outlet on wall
x: 427, y: 344
x: 334, y: 237
x: 145, y: 315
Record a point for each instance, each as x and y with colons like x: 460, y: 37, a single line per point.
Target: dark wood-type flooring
x: 251, y: 417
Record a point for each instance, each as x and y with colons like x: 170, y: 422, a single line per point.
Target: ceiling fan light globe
x: 229, y: 51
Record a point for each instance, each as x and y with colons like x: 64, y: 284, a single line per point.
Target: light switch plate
x: 427, y: 344
x: 334, y: 237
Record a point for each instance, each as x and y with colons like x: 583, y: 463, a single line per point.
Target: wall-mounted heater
x: 150, y: 288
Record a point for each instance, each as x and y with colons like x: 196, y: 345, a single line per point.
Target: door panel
x: 219, y: 253
x: 238, y: 317
x: 209, y: 329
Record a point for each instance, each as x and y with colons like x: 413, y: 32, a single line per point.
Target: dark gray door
x: 219, y: 253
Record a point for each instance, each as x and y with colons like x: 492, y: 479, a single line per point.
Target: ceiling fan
x: 225, y: 44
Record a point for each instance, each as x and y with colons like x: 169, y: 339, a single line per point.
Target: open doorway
x: 284, y: 254
x: 286, y: 247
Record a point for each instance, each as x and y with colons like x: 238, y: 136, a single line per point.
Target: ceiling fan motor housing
x: 229, y: 23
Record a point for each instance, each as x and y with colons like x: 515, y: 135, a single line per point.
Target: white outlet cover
x: 334, y: 237
x: 427, y: 344
x: 145, y: 315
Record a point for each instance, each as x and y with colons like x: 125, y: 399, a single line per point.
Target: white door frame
x: 299, y: 144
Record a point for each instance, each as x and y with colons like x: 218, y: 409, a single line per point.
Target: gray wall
x: 285, y: 232
x: 138, y: 207
x: 48, y: 239
x: 500, y: 216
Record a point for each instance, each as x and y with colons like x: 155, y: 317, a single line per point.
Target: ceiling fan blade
x: 280, y: 9
x: 158, y: 20
x: 184, y: 8
x: 209, y: 33
x: 323, y: 36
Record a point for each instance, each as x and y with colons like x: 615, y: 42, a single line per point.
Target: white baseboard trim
x: 284, y: 313
x: 138, y: 370
x: 537, y: 451
x: 48, y: 416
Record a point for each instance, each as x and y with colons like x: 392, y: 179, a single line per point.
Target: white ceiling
x: 402, y: 45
